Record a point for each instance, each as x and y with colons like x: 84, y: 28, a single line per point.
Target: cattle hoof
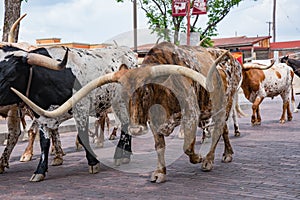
x: 181, y: 134
x: 37, y: 178
x: 207, y: 166
x: 125, y: 160
x: 94, y: 169
x: 78, y: 146
x: 26, y: 157
x: 227, y: 158
x: 99, y: 145
x: 3, y: 165
x: 195, y: 159
x: 118, y: 162
x: 112, y: 137
x: 157, y: 177
x: 52, y: 152
x: 256, y: 123
x: 282, y: 121
x: 57, y: 161
x: 2, y: 169
x: 290, y: 118
x: 237, y: 134
x: 295, y: 111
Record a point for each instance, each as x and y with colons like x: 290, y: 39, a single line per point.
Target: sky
x: 98, y: 21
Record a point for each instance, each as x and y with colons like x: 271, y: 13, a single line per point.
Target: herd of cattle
x: 194, y: 86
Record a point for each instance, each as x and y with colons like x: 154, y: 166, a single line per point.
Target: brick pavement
x: 265, y: 166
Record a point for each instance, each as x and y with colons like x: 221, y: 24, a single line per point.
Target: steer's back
x: 278, y: 80
x: 88, y: 65
x: 199, y: 59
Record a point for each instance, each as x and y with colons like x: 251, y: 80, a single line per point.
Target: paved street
x: 266, y: 165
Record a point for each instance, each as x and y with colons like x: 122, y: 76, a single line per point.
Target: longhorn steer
x: 8, y: 106
x: 15, y: 114
x: 180, y: 97
x: 184, y: 100
x: 270, y: 82
x: 293, y: 63
x: 50, y: 88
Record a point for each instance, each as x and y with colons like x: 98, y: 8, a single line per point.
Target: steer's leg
x: 256, y: 119
x: 207, y: 163
x: 28, y: 153
x: 42, y: 168
x: 189, y: 124
x: 227, y: 155
x: 59, y: 153
x: 159, y: 175
x: 81, y: 116
x: 123, y: 150
x: 157, y: 117
x: 14, y: 131
x: 284, y: 109
x: 237, y: 132
x: 100, y: 137
x: 113, y: 134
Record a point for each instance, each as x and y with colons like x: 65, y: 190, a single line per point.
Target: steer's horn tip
x: 15, y: 90
x: 24, y: 15
x: 65, y: 60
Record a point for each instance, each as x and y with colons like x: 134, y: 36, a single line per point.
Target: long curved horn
x: 155, y: 71
x: 213, y: 68
x: 257, y: 66
x: 11, y: 35
x: 43, y: 61
x: 201, y: 41
x: 162, y: 70
x: 108, y: 78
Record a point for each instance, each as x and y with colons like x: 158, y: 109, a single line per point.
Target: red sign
x: 179, y: 7
x: 238, y: 55
x: 199, y: 7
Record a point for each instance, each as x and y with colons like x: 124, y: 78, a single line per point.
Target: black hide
x: 293, y: 63
x: 48, y: 87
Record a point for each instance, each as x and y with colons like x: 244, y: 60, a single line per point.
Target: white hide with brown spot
x: 272, y: 82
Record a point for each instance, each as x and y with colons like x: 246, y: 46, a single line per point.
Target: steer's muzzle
x: 137, y: 129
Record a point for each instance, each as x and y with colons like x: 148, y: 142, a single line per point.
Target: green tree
x: 12, y: 10
x: 161, y: 21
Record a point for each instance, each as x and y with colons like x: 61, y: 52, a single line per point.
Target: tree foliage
x: 161, y: 21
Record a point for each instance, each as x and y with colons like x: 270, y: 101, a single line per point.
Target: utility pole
x: 274, y: 20
x: 134, y: 27
x: 269, y: 23
x: 188, y: 15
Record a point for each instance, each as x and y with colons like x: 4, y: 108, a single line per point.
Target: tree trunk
x: 11, y: 14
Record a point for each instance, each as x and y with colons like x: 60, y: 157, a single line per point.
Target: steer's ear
x: 123, y: 67
x: 122, y: 70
